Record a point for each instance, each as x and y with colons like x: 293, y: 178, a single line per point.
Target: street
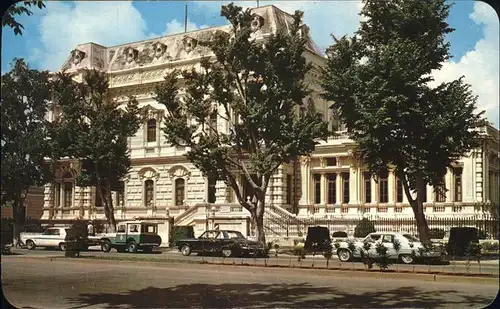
x: 486, y: 266
x: 39, y: 282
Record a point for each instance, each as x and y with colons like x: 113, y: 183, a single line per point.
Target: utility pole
x: 186, y: 17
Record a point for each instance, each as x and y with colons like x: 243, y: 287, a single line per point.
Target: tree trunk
x: 109, y: 212
x: 258, y: 222
x: 418, y: 210
x: 18, y: 223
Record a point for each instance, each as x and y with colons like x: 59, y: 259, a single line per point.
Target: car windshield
x: 410, y: 237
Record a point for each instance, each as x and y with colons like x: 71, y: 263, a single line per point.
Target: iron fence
x: 292, y: 226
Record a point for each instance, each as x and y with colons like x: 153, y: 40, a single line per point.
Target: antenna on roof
x: 186, y: 17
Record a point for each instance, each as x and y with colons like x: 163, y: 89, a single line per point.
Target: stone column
x: 304, y: 179
x: 61, y: 199
x: 448, y: 179
x: 353, y: 185
x: 374, y: 191
x: 338, y: 188
x: 323, y: 189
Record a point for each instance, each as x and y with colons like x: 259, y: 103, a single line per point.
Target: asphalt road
x: 30, y: 282
x: 486, y: 267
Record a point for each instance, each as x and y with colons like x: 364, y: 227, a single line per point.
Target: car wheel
x: 344, y: 255
x: 406, y: 258
x: 106, y: 246
x: 63, y: 246
x: 30, y: 245
x: 227, y: 252
x: 186, y: 250
x: 132, y: 247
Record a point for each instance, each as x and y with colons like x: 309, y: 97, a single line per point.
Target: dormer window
x: 151, y: 130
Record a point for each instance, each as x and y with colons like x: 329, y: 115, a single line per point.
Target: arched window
x: 179, y: 191
x: 151, y: 132
x: 148, y: 192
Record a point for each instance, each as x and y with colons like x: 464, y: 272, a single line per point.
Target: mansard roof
x: 181, y: 46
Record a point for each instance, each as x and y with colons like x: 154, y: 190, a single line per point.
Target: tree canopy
x: 19, y: 8
x: 379, y: 80
x: 25, y: 95
x: 239, y: 114
x: 94, y: 131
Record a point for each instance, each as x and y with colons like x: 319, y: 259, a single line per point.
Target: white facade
x: 162, y: 183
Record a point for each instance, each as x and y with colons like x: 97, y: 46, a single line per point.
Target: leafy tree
x: 25, y: 95
x: 379, y: 81
x: 257, y: 88
x: 364, y: 227
x: 19, y: 9
x: 93, y: 130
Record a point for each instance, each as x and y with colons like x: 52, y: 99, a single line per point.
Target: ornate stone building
x: 163, y: 184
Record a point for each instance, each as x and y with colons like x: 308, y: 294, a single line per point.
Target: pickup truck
x: 410, y: 247
x: 132, y: 236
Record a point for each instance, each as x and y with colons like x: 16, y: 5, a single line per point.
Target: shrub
x: 339, y: 234
x: 490, y: 246
x: 437, y: 233
x: 181, y: 232
x: 382, y: 256
x: 364, y: 228
x: 460, y: 238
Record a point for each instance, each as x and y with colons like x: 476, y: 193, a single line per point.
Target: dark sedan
x: 224, y: 242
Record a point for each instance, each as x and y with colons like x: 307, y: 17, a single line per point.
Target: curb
x: 339, y: 269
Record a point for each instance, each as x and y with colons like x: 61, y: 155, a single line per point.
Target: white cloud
x: 64, y: 26
x: 323, y: 17
x: 480, y: 66
x: 175, y: 26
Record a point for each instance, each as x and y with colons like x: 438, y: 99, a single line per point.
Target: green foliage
x: 490, y: 246
x: 257, y: 87
x: 351, y: 246
x: 364, y: 227
x: 380, y: 81
x: 178, y: 232
x: 382, y: 258
x: 436, y: 233
x: 93, y: 130
x: 474, y: 250
x: 397, y: 245
x: 25, y: 96
x: 366, y: 257
x: 19, y: 9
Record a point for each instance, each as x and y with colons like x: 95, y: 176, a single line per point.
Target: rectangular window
x: 399, y: 191
x: 317, y: 189
x: 68, y: 194
x: 332, y: 188
x: 151, y: 130
x: 289, y: 189
x: 367, y: 183
x: 331, y: 161
x: 457, y: 175
x: 440, y: 192
x: 345, y: 188
x: 57, y: 195
x: 211, y: 189
x: 383, y: 186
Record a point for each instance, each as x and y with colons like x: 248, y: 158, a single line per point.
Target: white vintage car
x: 51, y: 237
x: 408, y: 243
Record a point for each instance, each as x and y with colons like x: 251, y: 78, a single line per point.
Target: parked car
x: 53, y: 237
x: 131, y: 236
x: 225, y: 242
x: 408, y: 244
x: 318, y: 239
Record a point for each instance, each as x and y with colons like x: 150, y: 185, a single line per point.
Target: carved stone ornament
x: 148, y: 173
x: 159, y: 49
x: 304, y: 31
x: 179, y: 171
x: 257, y: 22
x: 131, y: 54
x: 189, y: 44
x: 77, y: 56
x: 305, y: 160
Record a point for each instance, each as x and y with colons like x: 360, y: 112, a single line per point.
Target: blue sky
x: 51, y: 33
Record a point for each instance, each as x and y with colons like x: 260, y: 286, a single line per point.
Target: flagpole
x: 186, y: 17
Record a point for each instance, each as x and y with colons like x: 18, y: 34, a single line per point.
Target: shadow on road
x: 272, y: 296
